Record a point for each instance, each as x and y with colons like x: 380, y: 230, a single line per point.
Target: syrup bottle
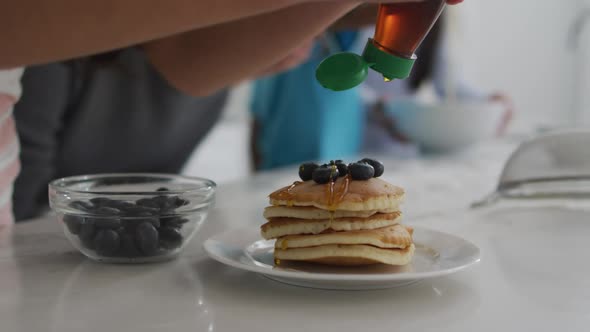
x: 400, y: 29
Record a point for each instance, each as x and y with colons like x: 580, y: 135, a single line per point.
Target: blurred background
x: 535, y: 51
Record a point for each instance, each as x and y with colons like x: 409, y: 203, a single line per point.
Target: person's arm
x: 38, y: 31
x: 360, y: 17
x: 34, y: 31
x: 203, y: 61
x: 295, y: 58
x: 365, y: 15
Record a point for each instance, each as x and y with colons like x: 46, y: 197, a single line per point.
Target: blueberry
x: 87, y: 232
x: 74, y: 223
x: 153, y: 220
x: 146, y: 213
x: 121, y: 205
x: 178, y: 202
x: 377, y: 165
x: 165, y: 203
x: 140, y: 211
x: 132, y: 224
x: 82, y: 206
x: 170, y: 237
x: 162, y: 189
x: 175, y: 222
x: 100, y: 201
x: 147, y: 202
x: 361, y: 171
x: 107, y: 211
x: 342, y: 168
x: 324, y: 175
x: 106, y: 242
x: 108, y: 223
x: 306, y: 170
x: 128, y: 247
x: 147, y: 238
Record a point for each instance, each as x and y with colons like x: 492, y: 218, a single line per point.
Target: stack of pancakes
x: 344, y: 222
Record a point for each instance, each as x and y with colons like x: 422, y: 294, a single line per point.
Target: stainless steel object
x: 574, y: 40
x: 555, y: 165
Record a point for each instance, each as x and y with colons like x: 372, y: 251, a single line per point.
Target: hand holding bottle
x: 449, y: 2
x: 400, y: 28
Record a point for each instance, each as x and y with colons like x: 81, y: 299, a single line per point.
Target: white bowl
x: 445, y: 126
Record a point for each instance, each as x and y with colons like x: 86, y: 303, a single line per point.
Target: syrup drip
x: 336, y: 196
x: 330, y: 189
x: 295, y: 184
x: 343, y: 190
x: 331, y: 195
x: 284, y: 245
x: 285, y: 194
x: 277, y: 262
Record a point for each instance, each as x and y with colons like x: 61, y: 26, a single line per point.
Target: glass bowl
x: 131, y: 218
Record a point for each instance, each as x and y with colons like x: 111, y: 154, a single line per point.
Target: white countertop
x: 533, y: 275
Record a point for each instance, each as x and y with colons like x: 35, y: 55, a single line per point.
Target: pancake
x: 391, y: 237
x: 372, y: 194
x: 278, y: 227
x: 334, y: 254
x: 310, y: 212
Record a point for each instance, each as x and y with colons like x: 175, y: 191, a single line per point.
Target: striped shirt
x: 10, y: 91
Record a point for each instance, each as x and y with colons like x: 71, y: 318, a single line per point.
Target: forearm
x: 202, y: 61
x: 39, y: 31
x: 361, y: 17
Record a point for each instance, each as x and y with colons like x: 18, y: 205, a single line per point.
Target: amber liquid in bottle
x: 402, y: 27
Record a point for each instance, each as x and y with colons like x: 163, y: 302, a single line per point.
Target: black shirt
x: 78, y: 117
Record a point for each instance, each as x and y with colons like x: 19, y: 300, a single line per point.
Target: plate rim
x: 211, y: 241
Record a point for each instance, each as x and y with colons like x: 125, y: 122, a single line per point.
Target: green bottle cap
x: 342, y: 71
x: 389, y: 65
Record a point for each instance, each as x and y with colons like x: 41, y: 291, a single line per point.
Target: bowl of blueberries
x: 131, y: 218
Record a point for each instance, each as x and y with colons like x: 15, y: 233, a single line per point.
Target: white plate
x: 437, y: 254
